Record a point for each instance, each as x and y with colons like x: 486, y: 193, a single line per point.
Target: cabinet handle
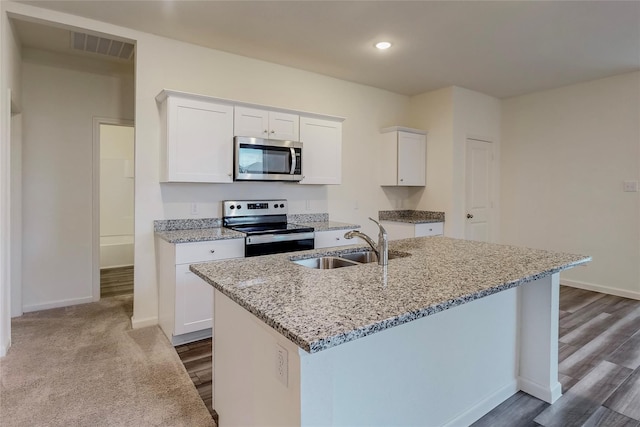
x: 229, y: 175
x: 265, y: 131
x: 469, y: 216
x: 401, y: 179
x: 212, y: 251
x: 273, y: 131
x: 337, y: 238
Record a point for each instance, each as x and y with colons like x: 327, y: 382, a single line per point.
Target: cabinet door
x: 199, y: 141
x: 284, y: 126
x: 194, y: 302
x: 412, y: 159
x: 321, y: 151
x: 330, y: 238
x: 251, y: 122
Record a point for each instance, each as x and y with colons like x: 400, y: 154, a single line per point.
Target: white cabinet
x: 265, y: 124
x: 197, y: 140
x: 185, y: 301
x: 330, y: 238
x: 403, y: 157
x: 321, y: 151
x: 404, y: 230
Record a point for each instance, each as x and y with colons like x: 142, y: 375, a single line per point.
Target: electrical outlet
x: 282, y: 364
x: 194, y: 209
x: 630, y: 186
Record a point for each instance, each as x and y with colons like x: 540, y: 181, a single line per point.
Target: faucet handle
x: 382, y: 230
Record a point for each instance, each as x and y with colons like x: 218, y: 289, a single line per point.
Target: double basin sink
x: 348, y: 259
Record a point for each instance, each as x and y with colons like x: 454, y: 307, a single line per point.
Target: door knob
x: 469, y: 216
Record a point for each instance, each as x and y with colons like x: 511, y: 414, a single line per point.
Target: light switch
x: 630, y: 186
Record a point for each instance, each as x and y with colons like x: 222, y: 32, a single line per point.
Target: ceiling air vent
x: 101, y: 45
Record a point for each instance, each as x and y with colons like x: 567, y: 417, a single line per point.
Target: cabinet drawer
x: 209, y: 251
x: 327, y: 239
x: 429, y: 229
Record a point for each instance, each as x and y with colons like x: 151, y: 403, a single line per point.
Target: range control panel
x: 253, y: 207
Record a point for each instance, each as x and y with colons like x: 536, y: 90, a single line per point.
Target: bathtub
x: 116, y: 251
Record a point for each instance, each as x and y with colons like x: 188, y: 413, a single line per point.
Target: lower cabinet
x: 185, y: 301
x: 404, y: 230
x: 329, y: 238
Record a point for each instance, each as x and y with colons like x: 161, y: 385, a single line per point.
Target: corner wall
x: 565, y: 155
x: 60, y: 101
x: 10, y: 101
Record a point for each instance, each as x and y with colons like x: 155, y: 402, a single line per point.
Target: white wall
x: 451, y: 115
x: 10, y: 100
x: 565, y: 155
x: 475, y: 115
x: 60, y: 101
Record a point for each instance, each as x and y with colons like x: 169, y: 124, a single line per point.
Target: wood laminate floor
x: 599, y: 368
x: 116, y: 281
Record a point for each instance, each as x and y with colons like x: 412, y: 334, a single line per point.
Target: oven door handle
x: 294, y: 162
x: 274, y: 238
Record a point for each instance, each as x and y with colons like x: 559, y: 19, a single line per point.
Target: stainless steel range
x: 265, y: 224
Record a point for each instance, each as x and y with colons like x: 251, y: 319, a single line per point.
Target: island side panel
x: 539, y: 311
x: 448, y: 369
x: 247, y: 391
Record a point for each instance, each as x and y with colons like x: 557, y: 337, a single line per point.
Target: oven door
x: 265, y: 244
x: 267, y: 160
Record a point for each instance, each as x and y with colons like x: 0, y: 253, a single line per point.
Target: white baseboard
x: 483, y: 407
x: 56, y: 304
x: 602, y: 289
x: 542, y: 393
x: 4, y: 348
x: 143, y: 323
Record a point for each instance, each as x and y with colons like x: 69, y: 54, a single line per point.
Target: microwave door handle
x: 293, y: 161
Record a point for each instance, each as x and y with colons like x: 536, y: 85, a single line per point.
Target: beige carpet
x: 85, y: 366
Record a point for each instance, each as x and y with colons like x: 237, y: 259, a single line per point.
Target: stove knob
x: 275, y: 206
x: 232, y: 207
x: 238, y: 207
x: 281, y: 205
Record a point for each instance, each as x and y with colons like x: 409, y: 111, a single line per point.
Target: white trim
x: 483, y: 407
x: 602, y: 289
x: 57, y: 304
x: 143, y: 323
x: 95, y: 200
x: 536, y: 390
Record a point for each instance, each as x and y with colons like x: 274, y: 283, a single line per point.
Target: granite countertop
x: 320, y: 309
x: 209, y: 229
x: 411, y: 216
x: 199, y: 235
x: 328, y: 225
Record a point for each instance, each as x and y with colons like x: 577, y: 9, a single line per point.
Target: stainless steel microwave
x: 257, y: 159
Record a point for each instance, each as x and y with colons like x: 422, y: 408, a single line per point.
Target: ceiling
x: 501, y: 48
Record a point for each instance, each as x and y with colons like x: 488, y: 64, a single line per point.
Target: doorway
x: 113, y: 207
x: 479, y: 190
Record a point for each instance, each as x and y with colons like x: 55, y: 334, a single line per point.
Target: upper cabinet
x: 266, y: 124
x: 403, y: 157
x: 321, y: 150
x: 197, y: 140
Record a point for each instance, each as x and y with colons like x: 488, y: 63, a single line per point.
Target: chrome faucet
x: 382, y: 249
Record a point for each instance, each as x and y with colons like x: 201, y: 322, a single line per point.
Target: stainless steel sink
x: 325, y: 262
x: 361, y: 257
x: 370, y: 256
x: 345, y: 260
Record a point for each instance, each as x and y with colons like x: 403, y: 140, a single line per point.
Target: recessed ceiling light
x: 383, y: 45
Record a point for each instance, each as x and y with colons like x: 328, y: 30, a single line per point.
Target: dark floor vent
x: 101, y: 45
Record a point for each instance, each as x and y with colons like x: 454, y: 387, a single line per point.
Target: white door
x: 478, y: 173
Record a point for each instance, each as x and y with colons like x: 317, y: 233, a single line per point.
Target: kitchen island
x: 444, y: 333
